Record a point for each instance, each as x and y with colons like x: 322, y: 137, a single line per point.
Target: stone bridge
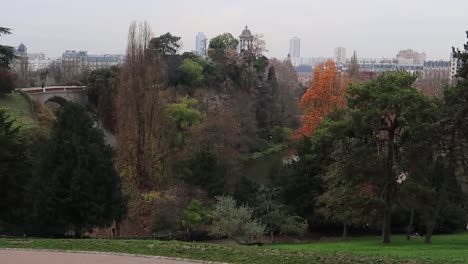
x: 57, y: 94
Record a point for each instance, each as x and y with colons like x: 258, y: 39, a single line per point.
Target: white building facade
x: 295, y: 51
x: 340, y: 55
x: 80, y: 60
x: 454, y: 66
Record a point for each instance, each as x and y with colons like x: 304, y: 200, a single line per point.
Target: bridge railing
x: 53, y: 89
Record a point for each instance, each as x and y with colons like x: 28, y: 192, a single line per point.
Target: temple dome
x: 246, y: 33
x: 22, y: 48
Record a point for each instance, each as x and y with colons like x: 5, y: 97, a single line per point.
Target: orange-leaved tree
x: 325, y: 94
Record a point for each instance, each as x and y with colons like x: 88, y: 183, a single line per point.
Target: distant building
x: 295, y: 47
x: 104, y: 61
x: 200, y: 44
x: 37, y: 64
x: 436, y: 70
x: 455, y: 64
x: 75, y: 61
x: 314, y: 61
x: 79, y: 61
x: 410, y: 57
x: 340, y: 55
x: 433, y: 78
x: 38, y: 61
x: 37, y: 56
x: 304, y: 74
x: 384, y: 65
x: 20, y: 63
x: 295, y: 51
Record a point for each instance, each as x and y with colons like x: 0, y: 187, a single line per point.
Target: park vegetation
x: 366, y: 156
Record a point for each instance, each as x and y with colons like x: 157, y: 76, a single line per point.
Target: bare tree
x: 21, y: 66
x: 55, y: 71
x: 259, y: 45
x: 140, y: 127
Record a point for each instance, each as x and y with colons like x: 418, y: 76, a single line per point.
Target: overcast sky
x: 374, y: 28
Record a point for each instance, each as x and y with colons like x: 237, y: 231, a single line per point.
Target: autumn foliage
x: 325, y: 94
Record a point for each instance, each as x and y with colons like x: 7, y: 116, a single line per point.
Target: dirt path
x: 45, y: 257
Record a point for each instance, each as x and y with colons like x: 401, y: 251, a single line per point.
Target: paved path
x: 45, y: 257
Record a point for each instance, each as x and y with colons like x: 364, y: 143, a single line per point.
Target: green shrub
x: 235, y: 222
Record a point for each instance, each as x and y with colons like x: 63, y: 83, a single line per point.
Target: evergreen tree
x: 76, y: 187
x: 7, y: 78
x: 166, y: 44
x: 353, y: 70
x: 386, y: 116
x: 6, y: 52
x: 14, y: 172
x: 302, y: 183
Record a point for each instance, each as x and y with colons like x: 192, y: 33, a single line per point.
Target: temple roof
x: 21, y: 48
x: 246, y: 33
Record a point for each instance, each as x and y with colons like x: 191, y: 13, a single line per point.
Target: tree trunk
x: 410, y: 225
x: 387, y: 225
x: 429, y: 230
x: 389, y: 183
x: 345, y: 230
x: 78, y: 232
x: 117, y: 229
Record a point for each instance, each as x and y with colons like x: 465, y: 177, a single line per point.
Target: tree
x: 289, y: 92
x: 301, y: 182
x: 165, y: 45
x: 15, y: 173
x: 142, y: 138
x: 191, y: 73
x: 76, y: 185
x: 447, y: 159
x: 258, y: 45
x: 220, y: 44
x: 6, y: 52
x: 194, y: 216
x: 343, y: 202
x: 184, y: 115
x: 267, y: 107
x: 204, y: 169
x: 102, y: 93
x: 274, y: 214
x: 210, y: 155
x: 7, y: 79
x: 433, y: 186
x: 385, y: 116
x: 462, y: 57
x: 235, y: 222
x: 324, y: 95
x: 56, y: 71
x: 173, y: 64
x: 353, y: 70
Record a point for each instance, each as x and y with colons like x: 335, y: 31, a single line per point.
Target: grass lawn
x: 242, y: 254
x: 19, y: 108
x: 444, y: 248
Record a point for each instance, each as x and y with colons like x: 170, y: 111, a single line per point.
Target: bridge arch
x: 57, y: 94
x: 57, y: 99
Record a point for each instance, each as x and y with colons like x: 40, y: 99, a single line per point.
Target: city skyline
x: 361, y: 25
